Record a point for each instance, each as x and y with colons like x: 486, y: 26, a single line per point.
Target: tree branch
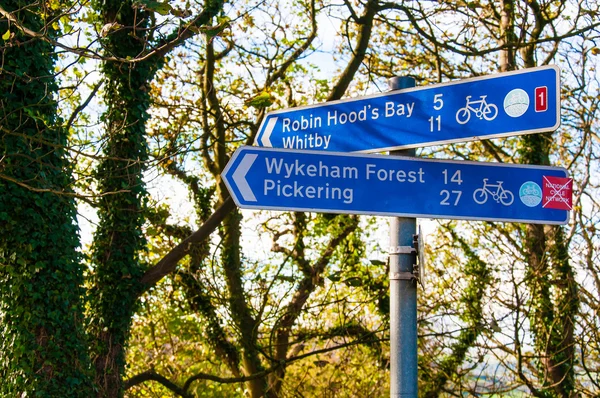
x: 298, y: 52
x: 81, y: 107
x: 151, y: 375
x: 364, y: 36
x: 176, y: 38
x: 169, y: 262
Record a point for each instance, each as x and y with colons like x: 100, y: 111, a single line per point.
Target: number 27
x: 446, y: 197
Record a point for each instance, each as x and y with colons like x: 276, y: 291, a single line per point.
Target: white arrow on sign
x: 265, y: 141
x: 239, y: 176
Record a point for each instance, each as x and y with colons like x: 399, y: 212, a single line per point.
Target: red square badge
x: 541, y: 99
x: 557, y: 193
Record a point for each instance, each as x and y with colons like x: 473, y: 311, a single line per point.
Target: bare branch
x: 81, y: 107
x: 151, y: 375
x: 182, y: 391
x: 359, y: 53
x: 169, y: 262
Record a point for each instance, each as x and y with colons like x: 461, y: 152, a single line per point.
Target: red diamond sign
x: 557, y: 193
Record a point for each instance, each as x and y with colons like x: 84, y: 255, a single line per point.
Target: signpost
x: 301, y: 177
x: 289, y: 180
x: 500, y: 105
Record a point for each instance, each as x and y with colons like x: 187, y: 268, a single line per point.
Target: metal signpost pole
x: 403, y: 292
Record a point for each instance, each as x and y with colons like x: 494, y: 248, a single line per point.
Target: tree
x: 250, y: 356
x: 43, y: 177
x: 118, y: 241
x: 235, y: 303
x: 43, y: 346
x: 509, y: 35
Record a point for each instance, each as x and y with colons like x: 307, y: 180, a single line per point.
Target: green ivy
x: 42, y: 345
x: 551, y: 282
x: 119, y: 241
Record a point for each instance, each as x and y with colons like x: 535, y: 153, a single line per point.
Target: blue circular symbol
x: 530, y: 194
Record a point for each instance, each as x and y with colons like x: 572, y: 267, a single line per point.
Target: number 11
x: 439, y: 123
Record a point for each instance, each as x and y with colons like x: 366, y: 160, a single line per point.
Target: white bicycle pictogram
x: 500, y: 195
x: 484, y: 111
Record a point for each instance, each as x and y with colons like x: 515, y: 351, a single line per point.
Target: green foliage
x: 349, y: 372
x: 163, y: 8
x: 42, y: 344
x: 171, y: 340
x: 261, y: 100
x: 477, y: 275
x: 118, y: 240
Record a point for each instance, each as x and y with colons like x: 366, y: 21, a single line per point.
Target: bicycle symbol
x: 529, y: 190
x: 500, y: 195
x: 484, y: 111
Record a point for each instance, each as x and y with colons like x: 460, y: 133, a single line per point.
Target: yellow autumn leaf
x: 6, y: 36
x: 262, y: 100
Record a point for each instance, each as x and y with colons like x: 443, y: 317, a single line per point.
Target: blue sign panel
x: 276, y: 179
x: 512, y: 103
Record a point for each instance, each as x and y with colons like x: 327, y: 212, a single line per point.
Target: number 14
x: 456, y: 177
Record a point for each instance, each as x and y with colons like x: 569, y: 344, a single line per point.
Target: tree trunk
x: 119, y: 241
x: 240, y: 311
x: 43, y: 348
x: 552, y: 314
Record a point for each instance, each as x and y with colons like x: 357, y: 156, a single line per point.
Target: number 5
x: 438, y: 102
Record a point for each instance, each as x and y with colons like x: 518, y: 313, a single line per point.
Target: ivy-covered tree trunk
x: 43, y: 350
x: 550, y: 277
x: 553, y: 290
x: 119, y: 241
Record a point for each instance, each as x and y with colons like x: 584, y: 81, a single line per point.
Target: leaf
x: 157, y: 6
x: 262, y: 100
x: 163, y: 8
x: 377, y: 262
x: 6, y: 36
x: 354, y: 281
x: 181, y: 13
x: 107, y: 28
x: 335, y: 277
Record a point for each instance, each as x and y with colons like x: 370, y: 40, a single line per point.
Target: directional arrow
x: 332, y: 182
x: 239, y: 177
x: 265, y: 139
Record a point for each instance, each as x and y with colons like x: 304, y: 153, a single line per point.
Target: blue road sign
x: 505, y: 104
x: 300, y: 180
